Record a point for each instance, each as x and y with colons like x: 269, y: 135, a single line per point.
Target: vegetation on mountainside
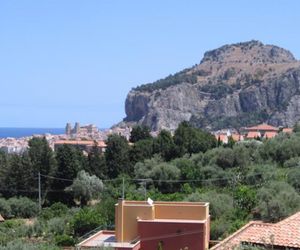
x: 242, y: 120
x: 242, y: 181
x: 177, y: 78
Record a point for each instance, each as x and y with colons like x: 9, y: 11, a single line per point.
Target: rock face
x: 235, y: 85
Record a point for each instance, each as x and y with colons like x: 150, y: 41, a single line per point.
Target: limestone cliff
x: 234, y: 85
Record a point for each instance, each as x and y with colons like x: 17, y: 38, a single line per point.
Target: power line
x: 126, y: 179
x: 56, y: 178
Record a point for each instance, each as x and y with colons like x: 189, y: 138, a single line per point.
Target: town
x: 149, y: 125
x: 85, y: 137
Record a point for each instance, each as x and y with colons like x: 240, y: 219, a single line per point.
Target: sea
x: 22, y: 132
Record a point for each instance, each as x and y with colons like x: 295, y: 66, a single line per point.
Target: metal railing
x: 95, y: 230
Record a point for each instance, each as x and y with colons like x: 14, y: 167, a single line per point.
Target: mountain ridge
x: 234, y: 85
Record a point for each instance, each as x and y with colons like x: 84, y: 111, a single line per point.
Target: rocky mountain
x: 235, y: 85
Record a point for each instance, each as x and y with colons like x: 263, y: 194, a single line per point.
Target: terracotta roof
x: 284, y: 234
x: 236, y: 137
x: 1, y: 218
x: 77, y: 142
x: 270, y: 134
x: 252, y: 135
x: 223, y: 138
x: 264, y: 127
x: 287, y: 130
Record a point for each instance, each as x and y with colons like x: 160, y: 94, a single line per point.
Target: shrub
x: 5, y: 210
x: 23, y: 207
x: 86, y: 220
x: 64, y: 240
x: 293, y: 162
x: 56, y: 226
x: 37, y: 229
x: 56, y: 210
x: 20, y: 245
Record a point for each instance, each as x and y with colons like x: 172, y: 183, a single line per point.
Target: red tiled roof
x: 287, y: 130
x: 236, y: 137
x: 284, y: 234
x: 264, y: 127
x: 252, y: 135
x: 223, y: 138
x: 270, y: 134
x: 77, y: 142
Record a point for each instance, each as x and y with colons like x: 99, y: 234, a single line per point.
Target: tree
x: 224, y: 157
x: 296, y: 127
x: 86, y: 187
x: 245, y: 198
x: 277, y: 200
x: 139, y: 132
x: 41, y: 156
x: 70, y: 161
x: 192, y: 140
x: 3, y: 166
x: 141, y: 150
x: 117, y: 156
x: 161, y: 173
x: 293, y: 178
x: 165, y: 146
x: 19, y: 177
x: 42, y: 159
x: 96, y: 162
x: 188, y: 168
x: 220, y: 204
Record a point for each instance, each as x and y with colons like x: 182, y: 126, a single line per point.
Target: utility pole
x: 40, y: 193
x: 123, y: 189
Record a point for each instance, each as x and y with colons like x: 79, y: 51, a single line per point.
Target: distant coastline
x: 23, y: 132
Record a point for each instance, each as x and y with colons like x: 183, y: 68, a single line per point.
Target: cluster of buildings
x: 13, y: 145
x: 148, y: 225
x: 261, y: 131
x: 87, y: 131
x: 83, y: 137
x: 91, y: 132
x: 19, y: 145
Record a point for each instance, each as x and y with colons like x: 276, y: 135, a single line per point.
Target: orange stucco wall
x: 177, y: 211
x: 129, y: 212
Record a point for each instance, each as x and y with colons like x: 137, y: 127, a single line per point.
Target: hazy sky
x: 74, y: 60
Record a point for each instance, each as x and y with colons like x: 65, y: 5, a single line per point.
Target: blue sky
x: 72, y: 60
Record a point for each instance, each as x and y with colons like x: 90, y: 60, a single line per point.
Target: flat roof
x: 172, y: 221
x: 173, y: 203
x: 107, y: 239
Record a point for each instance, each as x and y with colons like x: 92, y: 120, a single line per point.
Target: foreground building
x: 282, y: 235
x: 141, y: 225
